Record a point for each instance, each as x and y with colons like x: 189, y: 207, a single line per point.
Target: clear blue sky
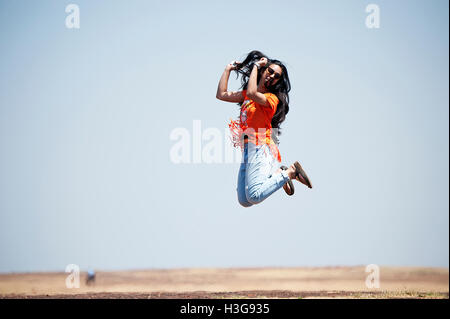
x: 86, y: 115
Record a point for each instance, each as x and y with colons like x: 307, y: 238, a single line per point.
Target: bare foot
x: 292, y: 175
x: 291, y: 172
x: 288, y: 186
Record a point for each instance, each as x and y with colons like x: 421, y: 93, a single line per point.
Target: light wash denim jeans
x: 256, y: 180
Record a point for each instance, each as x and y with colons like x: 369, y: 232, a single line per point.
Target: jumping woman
x: 264, y: 103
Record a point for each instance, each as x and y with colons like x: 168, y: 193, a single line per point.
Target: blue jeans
x: 256, y: 180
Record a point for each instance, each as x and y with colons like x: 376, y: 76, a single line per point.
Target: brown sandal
x: 288, y: 186
x: 301, y: 176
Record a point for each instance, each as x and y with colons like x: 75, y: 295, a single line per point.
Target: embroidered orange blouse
x: 254, y: 124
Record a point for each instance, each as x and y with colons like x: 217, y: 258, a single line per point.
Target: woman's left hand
x: 263, y: 61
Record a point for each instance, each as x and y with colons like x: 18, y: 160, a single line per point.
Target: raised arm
x: 222, y: 89
x: 252, y: 88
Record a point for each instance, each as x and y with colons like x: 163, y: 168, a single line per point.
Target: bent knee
x: 254, y: 198
x: 245, y: 204
x: 242, y: 199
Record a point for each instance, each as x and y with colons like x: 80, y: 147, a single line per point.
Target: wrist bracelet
x: 257, y: 65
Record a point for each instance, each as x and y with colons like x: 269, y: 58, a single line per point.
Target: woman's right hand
x: 231, y: 66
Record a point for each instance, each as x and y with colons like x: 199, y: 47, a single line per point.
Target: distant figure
x: 90, y: 277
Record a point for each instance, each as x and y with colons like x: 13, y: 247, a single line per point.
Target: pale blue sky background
x: 85, y: 119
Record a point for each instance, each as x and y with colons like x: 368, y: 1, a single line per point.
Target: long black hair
x: 280, y: 89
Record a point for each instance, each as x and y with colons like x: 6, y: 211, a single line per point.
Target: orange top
x: 255, y: 123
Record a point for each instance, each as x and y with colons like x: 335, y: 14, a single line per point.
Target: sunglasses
x: 271, y: 71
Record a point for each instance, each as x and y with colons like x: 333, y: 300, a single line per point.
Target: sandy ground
x: 324, y: 282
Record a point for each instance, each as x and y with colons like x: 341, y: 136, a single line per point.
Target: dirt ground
x: 203, y: 283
